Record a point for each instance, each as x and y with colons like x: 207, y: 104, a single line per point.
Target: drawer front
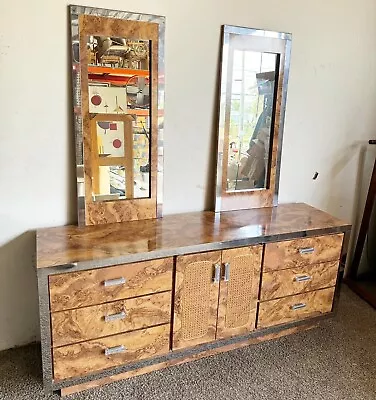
x: 297, y: 280
x: 87, y: 323
x: 299, y: 252
x: 95, y: 355
x: 97, y: 286
x: 293, y: 308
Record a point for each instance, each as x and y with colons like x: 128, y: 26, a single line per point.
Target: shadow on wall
x: 359, y: 156
x: 18, y: 292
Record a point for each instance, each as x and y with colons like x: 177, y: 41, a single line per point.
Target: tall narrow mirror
x: 118, y: 94
x: 254, y: 74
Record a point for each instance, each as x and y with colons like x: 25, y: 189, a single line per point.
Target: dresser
x: 119, y: 300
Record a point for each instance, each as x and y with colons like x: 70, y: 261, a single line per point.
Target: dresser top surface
x: 180, y: 233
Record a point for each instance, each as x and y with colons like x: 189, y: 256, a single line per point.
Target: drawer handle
x: 217, y: 273
x: 226, y: 278
x: 114, y: 282
x: 307, y: 250
x: 298, y: 306
x: 115, y: 317
x: 114, y: 350
x: 302, y: 278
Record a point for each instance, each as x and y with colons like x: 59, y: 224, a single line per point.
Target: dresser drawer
x: 296, y: 280
x: 96, y: 355
x: 298, y: 252
x: 292, y: 308
x: 101, y: 285
x: 109, y: 319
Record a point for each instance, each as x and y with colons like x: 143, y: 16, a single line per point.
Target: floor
x: 335, y: 361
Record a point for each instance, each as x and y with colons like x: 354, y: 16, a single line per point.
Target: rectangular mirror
x: 252, y: 98
x: 254, y: 73
x: 118, y: 86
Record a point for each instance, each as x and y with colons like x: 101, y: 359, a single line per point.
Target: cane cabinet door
x: 196, y: 298
x: 239, y: 291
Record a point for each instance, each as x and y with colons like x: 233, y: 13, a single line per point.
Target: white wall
x: 330, y: 114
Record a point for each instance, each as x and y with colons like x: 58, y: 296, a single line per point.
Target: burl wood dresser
x: 124, y: 299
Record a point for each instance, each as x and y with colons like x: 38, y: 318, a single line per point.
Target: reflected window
x: 252, y: 93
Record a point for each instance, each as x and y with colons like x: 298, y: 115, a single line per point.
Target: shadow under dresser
x: 124, y: 299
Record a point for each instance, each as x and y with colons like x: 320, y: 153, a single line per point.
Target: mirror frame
x: 260, y: 41
x: 86, y: 21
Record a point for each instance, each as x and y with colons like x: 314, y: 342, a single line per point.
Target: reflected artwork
x: 119, y: 107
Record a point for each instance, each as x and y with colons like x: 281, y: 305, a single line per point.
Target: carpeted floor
x: 335, y: 361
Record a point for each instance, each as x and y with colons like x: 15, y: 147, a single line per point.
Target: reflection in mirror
x: 119, y: 107
x: 252, y: 77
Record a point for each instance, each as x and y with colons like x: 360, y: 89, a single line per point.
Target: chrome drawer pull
x: 307, y: 250
x: 217, y: 273
x: 227, y: 272
x: 115, y: 317
x: 302, y: 278
x: 114, y: 282
x: 298, y: 306
x: 114, y: 350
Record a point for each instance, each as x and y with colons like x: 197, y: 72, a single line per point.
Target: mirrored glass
x: 119, y: 106
x: 252, y: 76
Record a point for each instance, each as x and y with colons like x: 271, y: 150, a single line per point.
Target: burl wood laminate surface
x: 280, y: 311
x: 298, y: 252
x: 238, y: 296
x: 85, y: 288
x: 297, y: 280
x: 86, y: 357
x: 150, y: 368
x: 100, y: 212
x: 196, y: 299
x: 255, y: 198
x: 174, y: 234
x: 87, y: 323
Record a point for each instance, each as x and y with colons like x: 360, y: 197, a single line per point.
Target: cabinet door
x: 196, y: 299
x: 239, y: 291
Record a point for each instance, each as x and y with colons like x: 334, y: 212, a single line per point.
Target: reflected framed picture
x: 253, y: 87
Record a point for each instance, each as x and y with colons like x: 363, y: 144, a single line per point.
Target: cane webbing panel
x: 239, y: 292
x: 195, y: 301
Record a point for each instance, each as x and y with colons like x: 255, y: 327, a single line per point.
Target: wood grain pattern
x: 238, y: 297
x: 257, y: 198
x: 121, y: 210
x: 283, y: 255
x: 276, y: 312
x: 196, y: 299
x: 67, y: 244
x: 126, y: 161
x: 85, y: 288
x: 150, y: 368
x: 284, y: 283
x: 87, y: 323
x: 87, y: 357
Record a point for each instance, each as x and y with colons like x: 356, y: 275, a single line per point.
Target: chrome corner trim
x: 239, y: 30
x: 45, y: 330
x: 286, y: 75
